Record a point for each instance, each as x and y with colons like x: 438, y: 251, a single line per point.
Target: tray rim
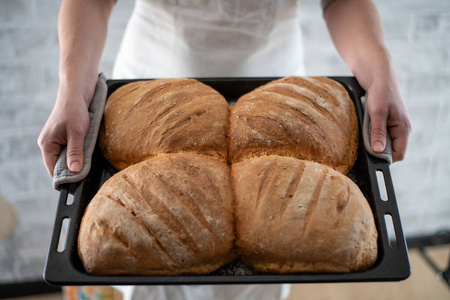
x: 52, y: 270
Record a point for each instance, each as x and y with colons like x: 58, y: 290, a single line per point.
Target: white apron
x: 206, y: 292
x: 210, y: 38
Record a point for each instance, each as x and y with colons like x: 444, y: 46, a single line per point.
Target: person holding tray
x: 222, y: 38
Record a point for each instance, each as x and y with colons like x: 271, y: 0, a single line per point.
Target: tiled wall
x: 417, y: 34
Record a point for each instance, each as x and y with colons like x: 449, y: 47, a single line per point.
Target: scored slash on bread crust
x: 300, y: 216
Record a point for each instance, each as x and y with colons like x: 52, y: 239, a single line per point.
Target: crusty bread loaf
x: 169, y: 215
x: 311, y: 118
x: 299, y: 216
x: 146, y: 118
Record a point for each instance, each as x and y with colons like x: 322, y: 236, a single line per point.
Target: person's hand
x: 387, y: 112
x: 67, y: 126
x: 356, y: 30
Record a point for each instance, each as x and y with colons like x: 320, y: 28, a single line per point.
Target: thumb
x: 378, y: 132
x: 74, y: 154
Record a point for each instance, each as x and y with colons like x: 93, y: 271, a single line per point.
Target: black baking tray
x: 64, y: 267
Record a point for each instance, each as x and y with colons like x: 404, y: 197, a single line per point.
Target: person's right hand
x: 67, y: 126
x: 82, y: 29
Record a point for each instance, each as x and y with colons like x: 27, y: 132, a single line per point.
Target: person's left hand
x: 388, y: 113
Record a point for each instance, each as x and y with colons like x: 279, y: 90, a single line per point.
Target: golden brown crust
x: 169, y: 215
x: 146, y: 118
x: 311, y: 118
x: 300, y: 216
x: 174, y: 214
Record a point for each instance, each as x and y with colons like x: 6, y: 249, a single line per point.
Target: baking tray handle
x: 388, y: 215
x: 62, y: 236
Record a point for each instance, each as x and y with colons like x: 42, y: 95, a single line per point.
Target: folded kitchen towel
x: 387, y: 153
x: 62, y: 175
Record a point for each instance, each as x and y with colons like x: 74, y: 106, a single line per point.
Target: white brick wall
x: 417, y: 34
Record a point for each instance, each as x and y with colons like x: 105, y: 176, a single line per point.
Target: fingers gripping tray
x: 372, y: 175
